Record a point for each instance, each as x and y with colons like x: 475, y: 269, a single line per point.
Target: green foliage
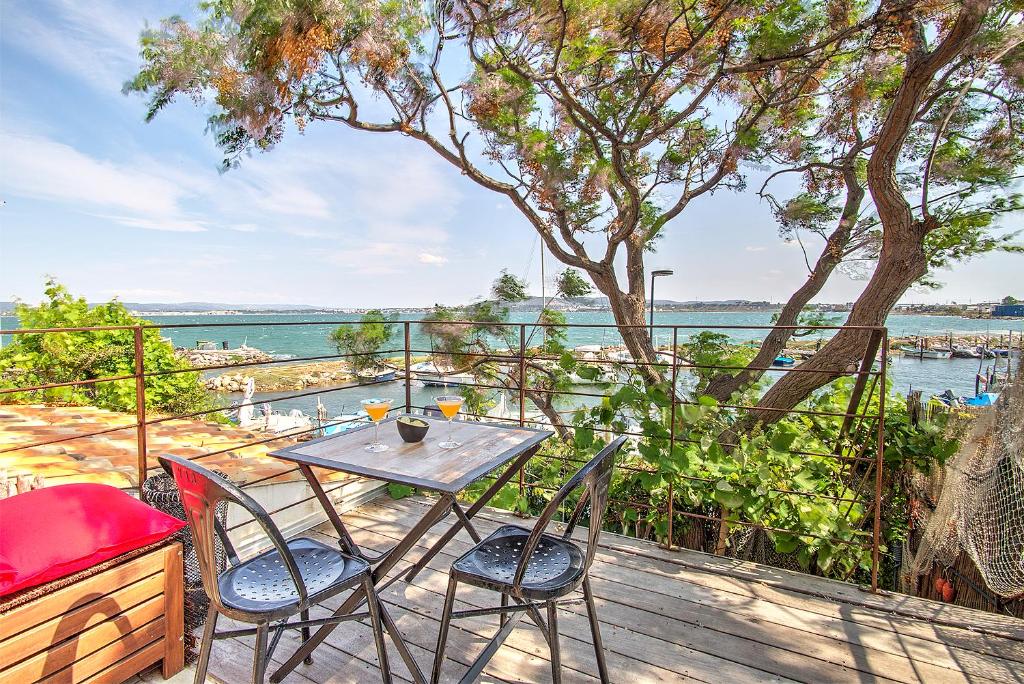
x: 509, y: 288
x: 811, y: 318
x: 364, y: 341
x: 570, y: 283
x: 50, y: 358
x: 1010, y: 300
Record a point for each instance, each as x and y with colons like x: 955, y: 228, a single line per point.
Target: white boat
x: 375, y: 375
x: 345, y: 422
x: 927, y: 353
x: 620, y: 356
x: 431, y: 375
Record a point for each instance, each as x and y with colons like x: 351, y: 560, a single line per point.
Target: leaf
x: 398, y: 491
x: 783, y: 438
x: 727, y: 496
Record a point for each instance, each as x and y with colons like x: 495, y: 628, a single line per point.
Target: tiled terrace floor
x: 668, y: 616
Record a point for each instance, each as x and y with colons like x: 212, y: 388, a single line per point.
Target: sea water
x: 307, y: 334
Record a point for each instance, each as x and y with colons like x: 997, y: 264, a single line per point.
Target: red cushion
x: 53, y: 532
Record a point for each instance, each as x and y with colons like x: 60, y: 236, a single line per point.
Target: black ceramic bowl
x: 412, y: 429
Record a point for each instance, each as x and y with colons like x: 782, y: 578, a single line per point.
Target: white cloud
x: 171, y: 225
x: 38, y: 167
x: 755, y: 248
x: 96, y: 41
x: 434, y: 259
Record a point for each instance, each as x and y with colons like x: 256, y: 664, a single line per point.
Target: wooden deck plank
x: 915, y: 657
x: 889, y: 652
x: 746, y: 659
x: 665, y: 617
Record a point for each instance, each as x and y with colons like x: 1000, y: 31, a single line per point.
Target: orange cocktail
x: 377, y: 410
x: 449, y: 406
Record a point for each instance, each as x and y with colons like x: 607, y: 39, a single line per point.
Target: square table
x: 484, y: 447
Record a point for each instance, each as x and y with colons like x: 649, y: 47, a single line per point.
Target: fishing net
x: 978, y: 501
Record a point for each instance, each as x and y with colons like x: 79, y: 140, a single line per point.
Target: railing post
x: 876, y: 537
x: 140, y: 409
x: 672, y: 435
x: 408, y: 374
x: 522, y: 398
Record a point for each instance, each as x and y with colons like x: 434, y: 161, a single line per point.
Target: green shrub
x: 49, y: 358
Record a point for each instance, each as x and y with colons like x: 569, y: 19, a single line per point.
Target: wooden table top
x: 484, y: 447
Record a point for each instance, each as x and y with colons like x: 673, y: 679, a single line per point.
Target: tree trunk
x: 629, y: 312
x: 724, y: 385
x: 902, y: 260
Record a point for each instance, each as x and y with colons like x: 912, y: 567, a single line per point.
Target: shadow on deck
x: 666, y: 616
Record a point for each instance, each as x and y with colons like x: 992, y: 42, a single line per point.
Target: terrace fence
x: 862, y: 429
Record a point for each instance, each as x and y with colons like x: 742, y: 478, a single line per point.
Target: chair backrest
x: 201, y: 491
x: 596, y: 478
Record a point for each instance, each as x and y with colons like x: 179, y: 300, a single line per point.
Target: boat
x: 345, y: 422
x: 620, y: 356
x: 966, y: 353
x: 783, y: 361
x: 431, y: 375
x: 372, y: 375
x: 927, y: 353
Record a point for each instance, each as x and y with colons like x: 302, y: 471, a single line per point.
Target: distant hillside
x: 201, y: 307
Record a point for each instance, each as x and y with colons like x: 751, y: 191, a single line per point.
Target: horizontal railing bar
x: 687, y: 440
x: 718, y: 519
x: 35, y: 445
x: 246, y: 364
x: 298, y: 395
x: 258, y: 324
x: 70, y: 383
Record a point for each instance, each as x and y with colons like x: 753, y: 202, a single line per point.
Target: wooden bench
x: 101, y: 625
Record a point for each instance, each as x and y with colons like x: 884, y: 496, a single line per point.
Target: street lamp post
x: 656, y: 274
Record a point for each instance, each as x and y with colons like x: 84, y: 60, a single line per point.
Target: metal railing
x: 860, y: 430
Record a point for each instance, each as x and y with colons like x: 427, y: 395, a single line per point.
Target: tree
x: 51, y: 358
x: 946, y: 136
x: 362, y: 343
x: 570, y: 284
x: 962, y: 140
x: 1010, y: 300
x: 601, y: 121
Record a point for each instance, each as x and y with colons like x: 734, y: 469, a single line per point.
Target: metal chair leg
x: 304, y: 615
x: 595, y: 630
x: 373, y: 606
x: 556, y: 655
x: 502, y: 617
x: 442, y: 633
x: 259, y: 661
x: 204, y: 648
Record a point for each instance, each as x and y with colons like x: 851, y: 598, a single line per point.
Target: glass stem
x: 376, y: 427
x: 450, y: 429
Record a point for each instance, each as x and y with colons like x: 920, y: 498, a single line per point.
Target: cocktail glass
x: 449, y: 405
x: 377, y: 409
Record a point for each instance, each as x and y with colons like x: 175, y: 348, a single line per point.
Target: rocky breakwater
x: 204, y: 358
x: 283, y: 378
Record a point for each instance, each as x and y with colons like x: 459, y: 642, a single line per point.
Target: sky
x: 114, y: 207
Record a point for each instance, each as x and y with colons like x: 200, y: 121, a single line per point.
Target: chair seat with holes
x: 262, y: 584
x: 554, y: 570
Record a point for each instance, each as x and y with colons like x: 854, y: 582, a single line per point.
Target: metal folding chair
x: 272, y: 587
x: 535, y: 569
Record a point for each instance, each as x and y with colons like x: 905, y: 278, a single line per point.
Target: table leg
x: 436, y: 512
x: 469, y: 513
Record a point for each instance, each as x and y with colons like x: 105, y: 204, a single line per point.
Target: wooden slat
x: 128, y: 666
x: 147, y: 639
x: 174, y: 615
x: 81, y: 645
x: 66, y: 599
x: 55, y: 630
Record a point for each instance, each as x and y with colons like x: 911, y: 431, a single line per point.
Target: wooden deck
x: 666, y: 616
